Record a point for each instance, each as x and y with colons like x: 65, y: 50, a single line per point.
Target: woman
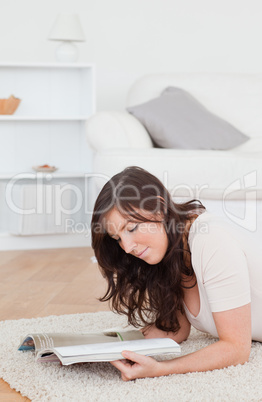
x: 170, y: 266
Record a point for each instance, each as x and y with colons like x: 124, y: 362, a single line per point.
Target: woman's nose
x: 128, y: 245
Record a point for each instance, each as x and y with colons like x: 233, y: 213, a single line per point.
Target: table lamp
x: 67, y: 29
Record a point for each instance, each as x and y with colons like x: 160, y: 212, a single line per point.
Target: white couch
x: 228, y: 182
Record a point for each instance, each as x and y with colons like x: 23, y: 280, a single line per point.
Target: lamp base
x: 66, y: 52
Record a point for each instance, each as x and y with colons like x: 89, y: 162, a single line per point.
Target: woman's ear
x: 160, y: 215
x: 163, y: 202
x: 161, y: 198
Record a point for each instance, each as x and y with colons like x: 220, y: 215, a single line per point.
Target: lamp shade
x: 67, y: 27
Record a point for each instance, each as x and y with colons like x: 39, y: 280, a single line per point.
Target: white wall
x: 127, y: 39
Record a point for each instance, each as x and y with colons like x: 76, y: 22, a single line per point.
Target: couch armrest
x: 112, y: 129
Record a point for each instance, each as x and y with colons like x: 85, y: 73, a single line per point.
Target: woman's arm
x: 233, y: 347
x: 179, y: 336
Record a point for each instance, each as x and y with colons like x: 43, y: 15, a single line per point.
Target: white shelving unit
x: 49, y: 124
x: 47, y: 128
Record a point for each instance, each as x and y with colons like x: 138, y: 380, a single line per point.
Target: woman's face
x: 145, y: 240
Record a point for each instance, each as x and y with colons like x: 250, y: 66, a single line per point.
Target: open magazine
x: 70, y: 348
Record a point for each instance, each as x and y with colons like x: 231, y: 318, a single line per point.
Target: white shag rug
x: 102, y: 382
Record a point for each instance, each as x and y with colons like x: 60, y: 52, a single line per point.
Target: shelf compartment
x: 50, y: 91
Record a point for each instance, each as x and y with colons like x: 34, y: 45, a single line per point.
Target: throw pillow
x: 177, y: 120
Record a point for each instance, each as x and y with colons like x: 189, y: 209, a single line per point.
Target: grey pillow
x: 177, y: 120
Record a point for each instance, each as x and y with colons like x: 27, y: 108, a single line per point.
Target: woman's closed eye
x: 133, y: 229
x: 130, y: 230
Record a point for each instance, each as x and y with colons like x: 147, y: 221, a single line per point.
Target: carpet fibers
x: 102, y: 382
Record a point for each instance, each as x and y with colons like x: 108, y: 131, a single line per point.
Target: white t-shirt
x: 228, y: 268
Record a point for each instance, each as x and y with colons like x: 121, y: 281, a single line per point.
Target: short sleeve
x: 225, y: 273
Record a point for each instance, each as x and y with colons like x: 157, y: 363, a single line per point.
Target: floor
x: 38, y: 283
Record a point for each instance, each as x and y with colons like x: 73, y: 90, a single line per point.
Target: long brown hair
x: 147, y: 294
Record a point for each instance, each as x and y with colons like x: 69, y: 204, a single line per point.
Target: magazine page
x: 42, y: 341
x: 108, y: 351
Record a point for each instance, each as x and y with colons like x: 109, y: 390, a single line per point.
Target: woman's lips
x: 140, y: 255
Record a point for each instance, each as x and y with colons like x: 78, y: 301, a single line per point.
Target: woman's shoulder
x: 206, y: 221
x: 209, y: 228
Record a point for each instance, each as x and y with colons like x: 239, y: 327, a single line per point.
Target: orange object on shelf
x: 44, y: 168
x: 9, y: 105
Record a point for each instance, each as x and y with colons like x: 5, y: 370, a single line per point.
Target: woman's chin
x: 152, y: 260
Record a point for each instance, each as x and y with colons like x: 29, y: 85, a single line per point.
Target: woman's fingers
x: 134, y: 357
x: 136, y: 366
x: 119, y: 364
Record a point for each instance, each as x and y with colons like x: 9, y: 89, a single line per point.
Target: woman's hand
x: 136, y: 366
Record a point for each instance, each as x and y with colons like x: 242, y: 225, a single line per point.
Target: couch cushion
x: 110, y: 129
x: 189, y: 173
x: 177, y: 120
x: 238, y: 97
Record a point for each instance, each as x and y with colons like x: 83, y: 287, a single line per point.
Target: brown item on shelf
x: 44, y: 168
x: 9, y: 106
